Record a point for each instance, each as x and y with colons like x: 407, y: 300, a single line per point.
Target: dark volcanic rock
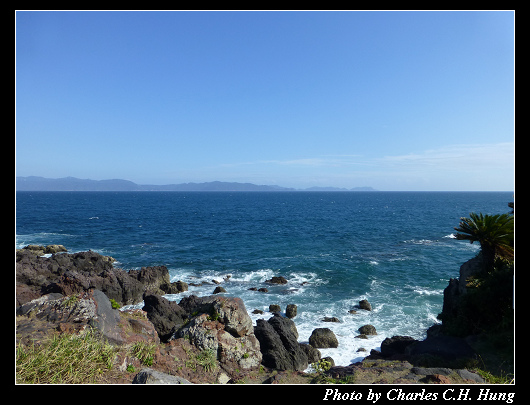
x: 323, y: 338
x: 219, y: 290
x: 69, y: 274
x: 396, y: 345
x: 445, y: 348
x: 291, y: 310
x: 152, y: 278
x: 367, y: 330
x: 277, y: 280
x: 364, y: 304
x: 166, y: 316
x: 279, y: 345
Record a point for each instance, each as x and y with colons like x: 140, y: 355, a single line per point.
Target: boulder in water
x: 323, y: 338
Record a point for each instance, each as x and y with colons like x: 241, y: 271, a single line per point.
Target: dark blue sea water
x: 396, y: 249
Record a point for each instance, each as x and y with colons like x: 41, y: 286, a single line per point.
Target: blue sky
x: 392, y: 100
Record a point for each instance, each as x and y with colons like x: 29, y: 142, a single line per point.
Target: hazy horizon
x: 397, y: 100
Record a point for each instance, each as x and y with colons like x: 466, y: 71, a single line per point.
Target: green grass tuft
x: 64, y: 359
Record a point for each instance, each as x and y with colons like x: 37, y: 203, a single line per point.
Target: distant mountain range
x: 35, y: 183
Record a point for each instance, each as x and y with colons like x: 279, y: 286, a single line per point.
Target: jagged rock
x: 201, y: 331
x: 280, y: 324
x: 222, y: 325
x: 323, y: 338
x: 74, y: 273
x: 230, y: 311
x: 278, y: 344
x: 152, y: 278
x: 149, y: 376
x: 274, y: 308
x: 71, y: 274
x: 219, y: 290
x: 238, y: 353
x: 166, y: 316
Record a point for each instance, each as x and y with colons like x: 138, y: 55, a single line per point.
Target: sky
x: 396, y: 100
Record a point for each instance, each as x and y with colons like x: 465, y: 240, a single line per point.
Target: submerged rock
x: 219, y: 290
x: 330, y: 319
x: 364, y: 304
x: 277, y: 280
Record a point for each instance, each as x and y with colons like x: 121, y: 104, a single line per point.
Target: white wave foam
x: 426, y: 291
x: 450, y: 236
x: 419, y: 241
x: 389, y: 317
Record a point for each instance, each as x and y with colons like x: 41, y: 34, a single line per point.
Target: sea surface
x: 395, y: 249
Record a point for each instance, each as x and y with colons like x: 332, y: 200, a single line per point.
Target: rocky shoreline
x: 207, y: 339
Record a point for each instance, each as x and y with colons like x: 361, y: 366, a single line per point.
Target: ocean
x: 395, y: 249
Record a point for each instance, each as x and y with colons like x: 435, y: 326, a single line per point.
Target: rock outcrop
x: 279, y: 346
x: 166, y: 316
x: 77, y: 313
x: 458, y: 287
x: 75, y: 273
x: 378, y: 371
x: 215, y: 324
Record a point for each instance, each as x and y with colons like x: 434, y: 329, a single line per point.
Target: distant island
x: 36, y: 183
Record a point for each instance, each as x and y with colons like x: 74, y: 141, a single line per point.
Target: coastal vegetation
x: 487, y: 305
x: 495, y: 233
x: 481, y: 306
x: 65, y: 359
